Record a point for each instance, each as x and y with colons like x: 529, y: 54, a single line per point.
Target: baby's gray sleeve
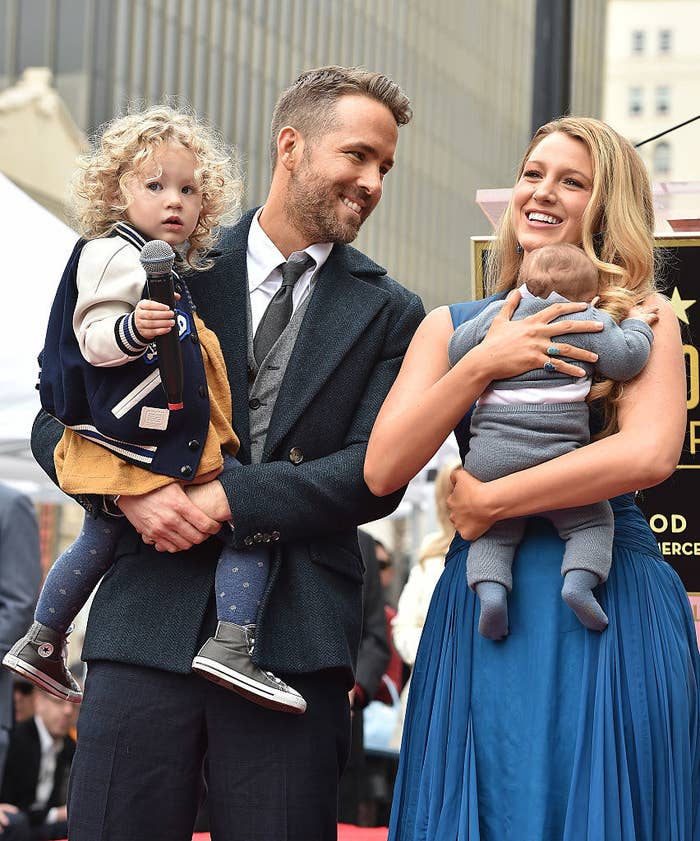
x: 623, y: 350
x: 469, y: 334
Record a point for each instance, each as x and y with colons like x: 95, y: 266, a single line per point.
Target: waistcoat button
x: 296, y: 456
x: 202, y: 391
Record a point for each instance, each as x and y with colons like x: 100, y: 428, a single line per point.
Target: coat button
x: 257, y: 537
x: 275, y: 535
x: 178, y: 287
x: 202, y: 391
x: 254, y: 403
x: 267, y: 538
x: 186, y: 471
x: 194, y: 338
x: 193, y: 444
x: 296, y: 456
x: 248, y: 541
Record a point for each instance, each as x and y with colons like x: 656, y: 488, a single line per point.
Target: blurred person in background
x: 35, y: 787
x: 372, y: 660
x: 20, y: 578
x: 23, y: 698
x: 407, y: 625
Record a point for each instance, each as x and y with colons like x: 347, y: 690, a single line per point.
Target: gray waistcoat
x: 262, y: 392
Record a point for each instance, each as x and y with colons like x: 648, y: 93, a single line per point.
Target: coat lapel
x: 222, y: 297
x: 339, y: 311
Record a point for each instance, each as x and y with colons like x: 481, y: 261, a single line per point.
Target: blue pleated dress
x: 556, y: 733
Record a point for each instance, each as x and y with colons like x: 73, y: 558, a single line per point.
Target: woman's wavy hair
x: 437, y: 543
x: 618, y: 232
x: 99, y: 192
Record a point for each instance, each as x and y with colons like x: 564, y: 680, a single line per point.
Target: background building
x: 466, y: 66
x: 653, y: 81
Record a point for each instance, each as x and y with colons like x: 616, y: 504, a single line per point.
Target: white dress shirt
x: 263, y: 261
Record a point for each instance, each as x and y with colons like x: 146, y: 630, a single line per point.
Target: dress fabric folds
x: 556, y: 733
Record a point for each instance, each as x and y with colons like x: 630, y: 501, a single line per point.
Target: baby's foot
x: 493, y: 619
x: 577, y: 592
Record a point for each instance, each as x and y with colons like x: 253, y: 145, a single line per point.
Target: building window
x: 662, y: 159
x: 663, y: 99
x: 665, y: 40
x: 635, y: 104
x: 637, y: 41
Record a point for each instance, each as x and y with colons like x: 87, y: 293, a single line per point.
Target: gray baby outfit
x: 507, y: 437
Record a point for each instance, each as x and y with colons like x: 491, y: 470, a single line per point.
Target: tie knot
x: 292, y: 270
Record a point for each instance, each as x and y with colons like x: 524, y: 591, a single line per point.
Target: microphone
x: 157, y: 259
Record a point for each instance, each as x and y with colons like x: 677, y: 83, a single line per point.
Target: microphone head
x: 157, y: 257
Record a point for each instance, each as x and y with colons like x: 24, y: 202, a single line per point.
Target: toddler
x: 155, y: 175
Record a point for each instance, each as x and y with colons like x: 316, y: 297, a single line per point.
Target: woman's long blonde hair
x: 617, y: 233
x: 99, y: 192
x: 438, y: 543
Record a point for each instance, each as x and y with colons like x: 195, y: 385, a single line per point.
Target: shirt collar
x: 264, y: 256
x: 552, y: 298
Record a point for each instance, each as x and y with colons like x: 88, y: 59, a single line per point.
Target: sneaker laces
x: 270, y: 675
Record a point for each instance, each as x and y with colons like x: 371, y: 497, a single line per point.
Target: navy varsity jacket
x: 124, y: 408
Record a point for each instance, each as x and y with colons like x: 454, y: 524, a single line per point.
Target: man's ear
x: 290, y: 147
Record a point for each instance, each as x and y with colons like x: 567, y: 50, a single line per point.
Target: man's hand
x: 167, y: 519
x: 210, y: 498
x: 467, y: 514
x: 6, y: 809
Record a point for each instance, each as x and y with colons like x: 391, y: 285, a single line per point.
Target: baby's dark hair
x: 562, y: 268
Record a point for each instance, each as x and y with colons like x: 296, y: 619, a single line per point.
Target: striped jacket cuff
x: 128, y: 338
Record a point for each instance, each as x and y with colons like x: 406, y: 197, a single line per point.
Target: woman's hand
x: 513, y: 347
x: 467, y: 505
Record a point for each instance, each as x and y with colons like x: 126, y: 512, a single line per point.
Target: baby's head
x: 562, y: 268
x: 141, y: 159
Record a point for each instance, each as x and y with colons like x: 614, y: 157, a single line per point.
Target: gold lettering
x: 692, y: 356
x: 694, y: 435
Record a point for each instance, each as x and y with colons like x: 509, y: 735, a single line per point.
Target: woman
x: 556, y: 732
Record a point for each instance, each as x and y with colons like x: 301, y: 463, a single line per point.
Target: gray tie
x: 279, y: 310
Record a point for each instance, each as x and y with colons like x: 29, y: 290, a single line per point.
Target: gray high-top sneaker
x: 40, y: 657
x: 226, y: 659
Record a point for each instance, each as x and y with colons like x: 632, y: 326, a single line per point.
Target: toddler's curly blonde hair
x: 99, y: 194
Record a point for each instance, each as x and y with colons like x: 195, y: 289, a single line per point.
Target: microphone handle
x: 160, y: 288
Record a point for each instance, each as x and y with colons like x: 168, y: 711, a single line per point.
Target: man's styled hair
x: 309, y: 103
x: 562, y: 268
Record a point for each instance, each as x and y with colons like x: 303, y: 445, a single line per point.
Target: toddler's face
x: 166, y: 201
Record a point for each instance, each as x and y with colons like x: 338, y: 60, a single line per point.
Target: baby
x: 537, y: 416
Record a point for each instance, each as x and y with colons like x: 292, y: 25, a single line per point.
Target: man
x: 20, y: 578
x: 304, y: 421
x: 36, y: 778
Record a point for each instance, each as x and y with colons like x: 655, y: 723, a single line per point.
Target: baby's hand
x: 153, y: 318
x: 646, y: 312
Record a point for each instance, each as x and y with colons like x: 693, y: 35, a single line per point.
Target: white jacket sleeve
x: 407, y: 625
x: 110, y: 282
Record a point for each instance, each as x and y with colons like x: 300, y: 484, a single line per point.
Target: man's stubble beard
x: 310, y: 208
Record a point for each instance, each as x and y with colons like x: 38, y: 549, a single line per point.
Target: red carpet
x: 345, y: 833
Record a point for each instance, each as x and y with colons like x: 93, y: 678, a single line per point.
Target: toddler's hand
x: 153, y: 318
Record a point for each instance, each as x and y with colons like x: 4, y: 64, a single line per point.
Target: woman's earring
x: 518, y: 249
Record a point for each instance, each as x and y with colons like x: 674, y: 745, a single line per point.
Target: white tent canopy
x: 37, y: 246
